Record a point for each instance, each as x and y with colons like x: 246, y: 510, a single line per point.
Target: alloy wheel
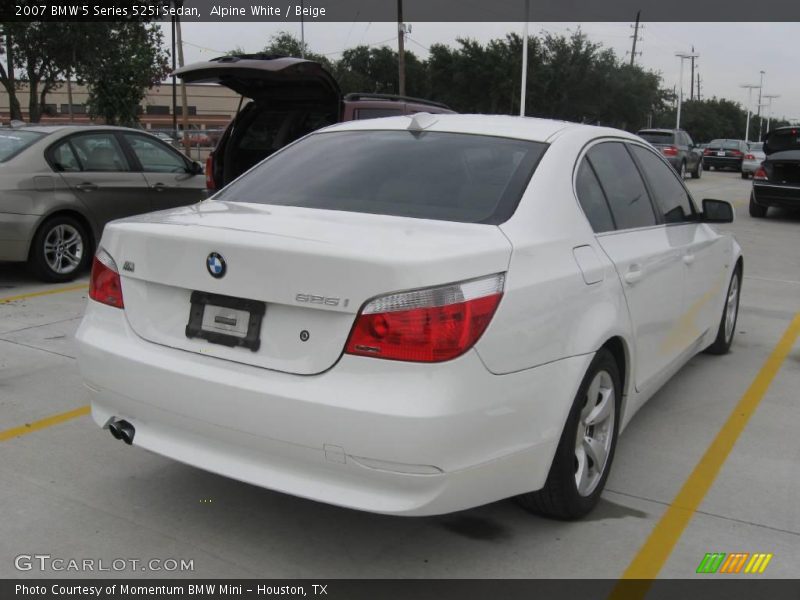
x: 595, y: 433
x: 63, y: 248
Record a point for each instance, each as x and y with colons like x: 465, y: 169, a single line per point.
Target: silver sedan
x: 752, y: 159
x: 60, y: 185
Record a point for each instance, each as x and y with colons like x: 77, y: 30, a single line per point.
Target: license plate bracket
x: 223, y: 313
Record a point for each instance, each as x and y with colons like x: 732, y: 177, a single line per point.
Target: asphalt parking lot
x: 71, y: 491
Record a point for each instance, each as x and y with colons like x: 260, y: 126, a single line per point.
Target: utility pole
x: 401, y: 53
x: 682, y: 56
x: 635, y: 37
x: 302, y: 32
x: 691, y: 90
x: 698, y: 86
x: 184, y: 104
x: 174, y: 86
x: 524, y: 85
x: 760, y: 89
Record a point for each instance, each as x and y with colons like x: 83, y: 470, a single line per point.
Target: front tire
x: 756, y: 210
x: 60, y: 249
x: 586, y: 449
x: 730, y: 313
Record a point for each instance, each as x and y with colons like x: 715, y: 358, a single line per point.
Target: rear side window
x: 671, y: 198
x: 429, y: 175
x: 592, y: 199
x: 623, y: 186
x: 14, y: 142
x: 658, y: 137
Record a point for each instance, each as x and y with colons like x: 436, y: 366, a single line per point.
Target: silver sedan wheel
x: 731, y: 307
x: 595, y: 433
x: 63, y: 249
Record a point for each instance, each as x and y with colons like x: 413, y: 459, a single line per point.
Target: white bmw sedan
x: 412, y: 315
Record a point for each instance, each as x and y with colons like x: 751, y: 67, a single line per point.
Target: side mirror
x: 195, y: 168
x: 717, y: 211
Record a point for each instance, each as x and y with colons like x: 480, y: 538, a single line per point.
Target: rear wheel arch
x: 622, y: 355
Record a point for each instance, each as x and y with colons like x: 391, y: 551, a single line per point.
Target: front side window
x: 671, y: 198
x: 623, y: 185
x: 153, y: 157
x: 429, y: 175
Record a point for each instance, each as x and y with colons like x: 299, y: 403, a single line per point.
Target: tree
x: 286, y: 44
x: 118, y: 80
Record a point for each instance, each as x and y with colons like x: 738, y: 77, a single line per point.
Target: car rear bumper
x: 783, y: 196
x: 721, y: 162
x: 750, y: 166
x: 16, y: 232
x: 381, y: 436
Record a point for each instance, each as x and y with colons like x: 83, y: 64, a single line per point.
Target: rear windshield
x: 716, y: 143
x: 756, y: 147
x: 781, y: 140
x: 13, y: 142
x: 657, y: 137
x: 731, y: 145
x: 430, y: 175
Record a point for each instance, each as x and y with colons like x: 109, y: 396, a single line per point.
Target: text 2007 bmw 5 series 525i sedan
x: 412, y: 315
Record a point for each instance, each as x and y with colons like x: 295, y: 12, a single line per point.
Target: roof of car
x: 56, y: 128
x: 529, y: 128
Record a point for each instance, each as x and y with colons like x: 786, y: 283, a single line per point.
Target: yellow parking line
x: 43, y: 423
x: 71, y: 288
x: 657, y: 548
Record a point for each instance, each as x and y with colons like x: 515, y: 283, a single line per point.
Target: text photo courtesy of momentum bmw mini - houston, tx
x: 399, y: 299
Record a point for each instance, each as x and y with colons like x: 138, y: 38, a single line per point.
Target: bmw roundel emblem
x: 216, y: 265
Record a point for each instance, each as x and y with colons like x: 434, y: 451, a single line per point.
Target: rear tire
x: 756, y: 210
x: 730, y: 313
x: 745, y: 175
x: 698, y: 170
x: 60, y: 249
x: 575, y: 481
x: 682, y: 170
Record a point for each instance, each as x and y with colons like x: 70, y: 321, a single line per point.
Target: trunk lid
x: 267, y: 78
x: 313, y: 270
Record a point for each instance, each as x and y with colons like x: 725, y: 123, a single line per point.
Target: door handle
x: 159, y: 187
x: 86, y: 186
x: 688, y: 259
x: 633, y: 275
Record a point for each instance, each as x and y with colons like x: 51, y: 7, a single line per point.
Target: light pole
x: 683, y: 56
x: 769, y: 108
x: 750, y: 87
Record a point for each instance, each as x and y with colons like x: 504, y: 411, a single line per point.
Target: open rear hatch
x: 782, y: 147
x: 267, y: 78
x: 293, y: 279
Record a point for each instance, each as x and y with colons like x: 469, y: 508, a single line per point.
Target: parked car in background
x: 777, y: 181
x: 752, y: 159
x: 60, y: 185
x: 724, y: 154
x: 412, y: 315
x: 289, y: 98
x: 678, y: 148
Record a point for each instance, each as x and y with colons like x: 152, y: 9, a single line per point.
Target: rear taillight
x: 105, y: 286
x: 426, y: 325
x: 736, y: 152
x: 706, y: 152
x: 210, y: 173
x: 749, y: 157
x: 760, y: 173
x: 670, y: 151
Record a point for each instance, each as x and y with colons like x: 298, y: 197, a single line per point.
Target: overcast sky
x: 731, y: 54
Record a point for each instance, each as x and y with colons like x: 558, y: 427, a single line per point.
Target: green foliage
x: 118, y: 80
x: 288, y: 45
